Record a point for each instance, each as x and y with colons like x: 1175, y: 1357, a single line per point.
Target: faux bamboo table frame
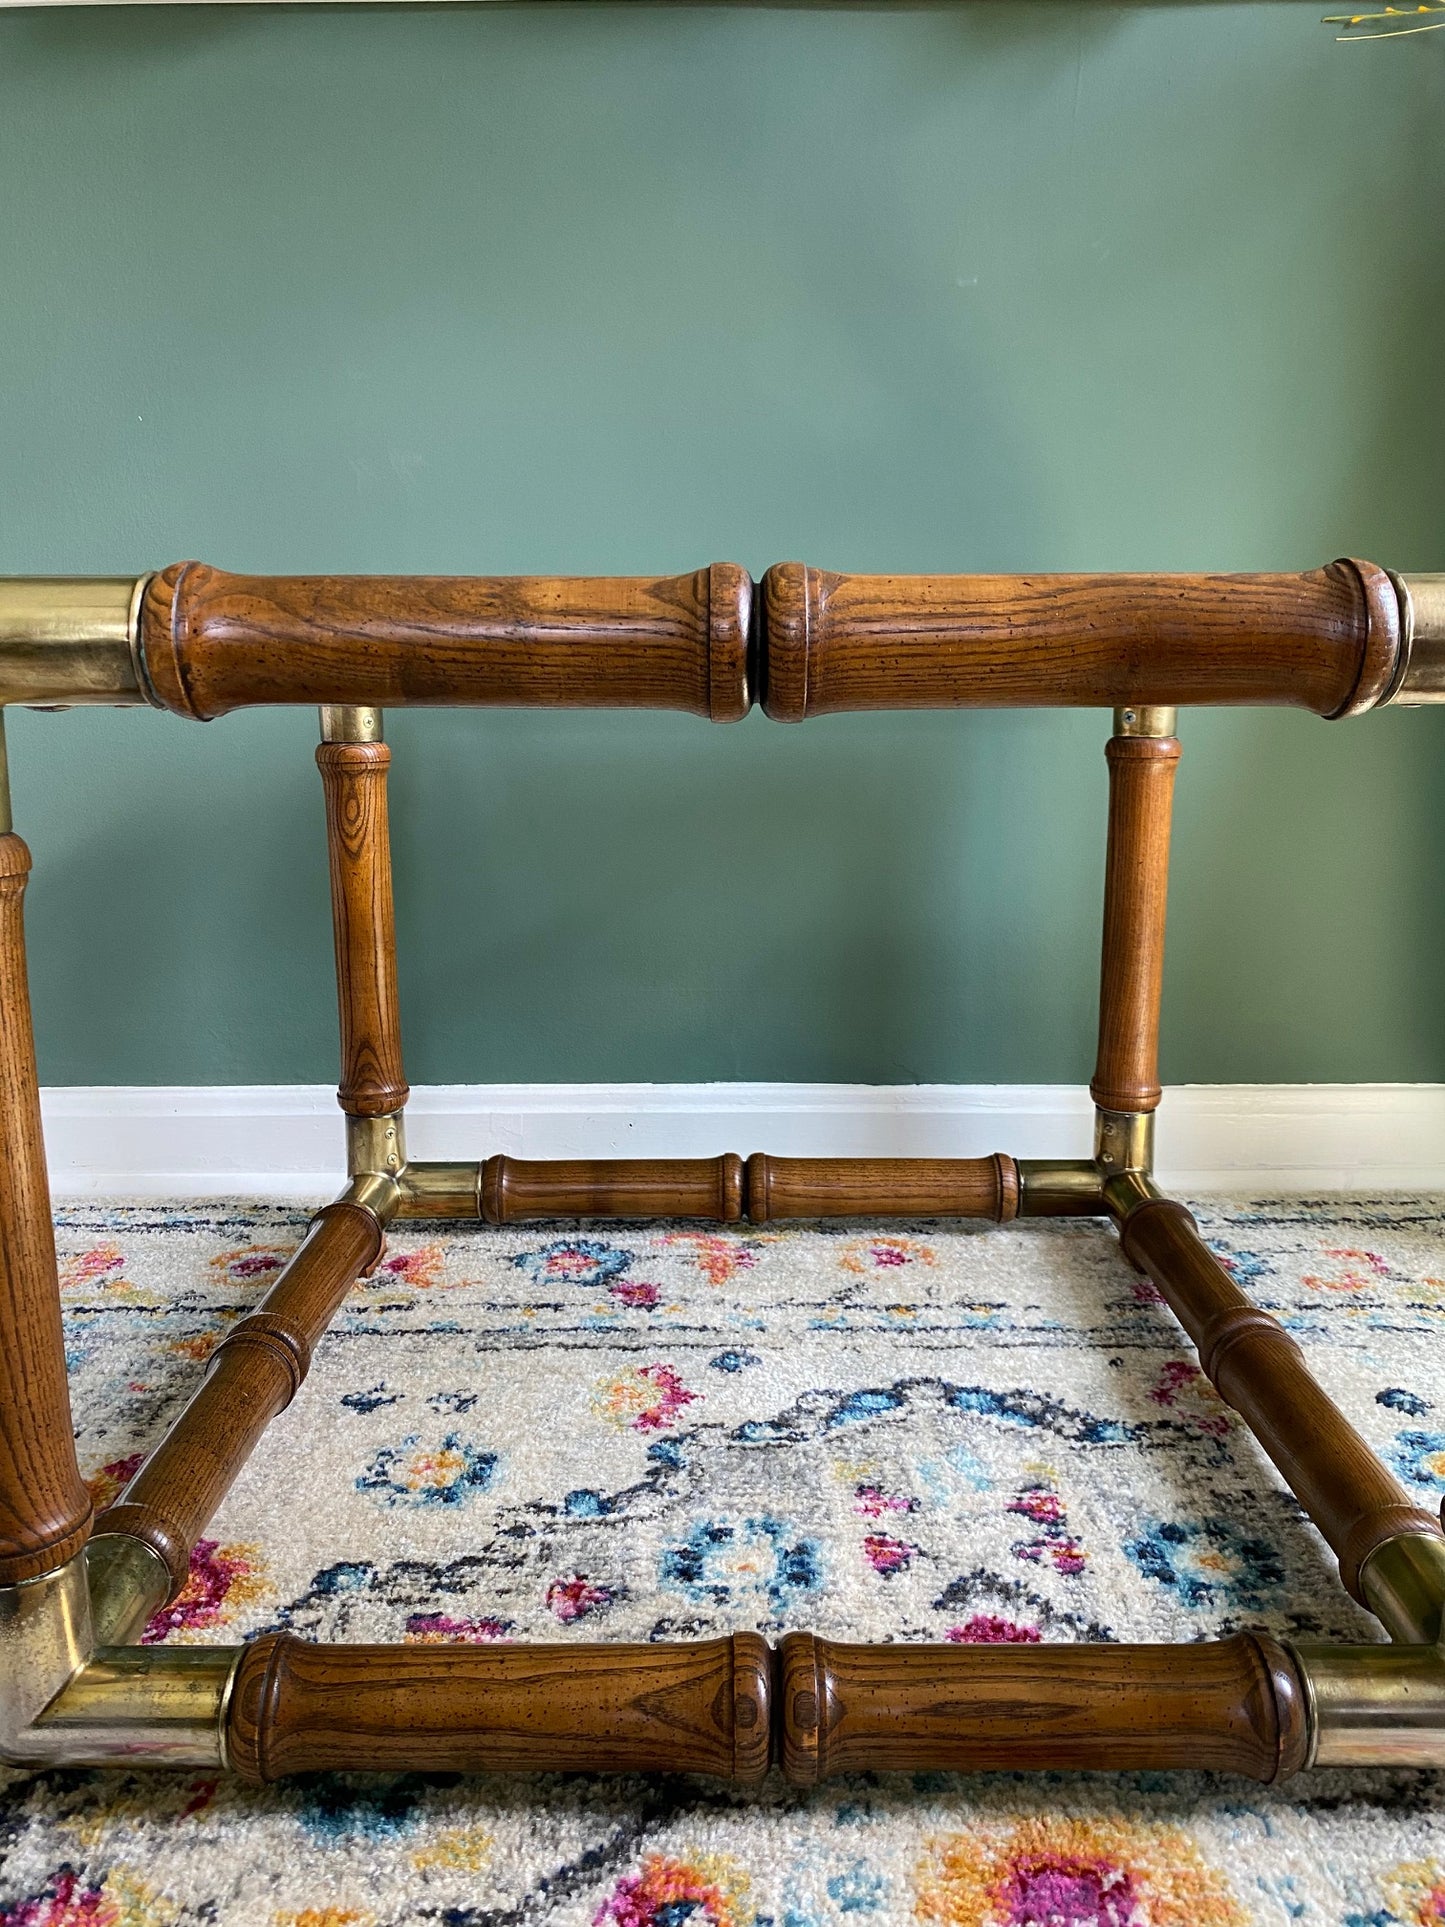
x: 75, y: 1593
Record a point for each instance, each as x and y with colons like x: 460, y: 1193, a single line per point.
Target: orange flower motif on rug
x: 1046, y: 1872
x: 1416, y: 1893
x: 709, y: 1891
x: 644, y: 1398
x: 222, y: 1579
x: 718, y: 1259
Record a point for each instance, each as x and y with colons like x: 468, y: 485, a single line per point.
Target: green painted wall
x: 607, y: 289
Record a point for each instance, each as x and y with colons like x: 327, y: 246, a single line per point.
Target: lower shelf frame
x: 733, y: 1707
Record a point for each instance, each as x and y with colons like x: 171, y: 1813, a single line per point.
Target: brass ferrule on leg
x: 72, y: 639
x: 1145, y: 719
x: 1124, y: 1141
x: 376, y: 1145
x: 350, y: 723
x: 375, y: 1162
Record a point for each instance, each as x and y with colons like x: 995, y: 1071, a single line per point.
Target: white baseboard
x: 285, y: 1140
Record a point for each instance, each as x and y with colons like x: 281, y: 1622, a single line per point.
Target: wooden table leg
x: 1143, y: 756
x: 44, y: 1506
x: 353, y: 761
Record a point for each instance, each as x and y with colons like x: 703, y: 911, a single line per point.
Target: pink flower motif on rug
x: 887, y: 1555
x: 89, y: 1267
x: 1358, y: 1271
x: 437, y: 1629
x: 885, y: 1254
x: 66, y: 1900
x: 577, y: 1597
x: 1101, y: 1872
x: 644, y: 1398
x: 987, y: 1629
x: 421, y: 1268
x: 873, y: 1503
x: 635, y: 1294
x: 1055, y: 1545
x: 251, y: 1261
x: 707, y: 1892
x: 221, y: 1580
x: 1183, y: 1389
x: 63, y: 1902
x: 106, y: 1485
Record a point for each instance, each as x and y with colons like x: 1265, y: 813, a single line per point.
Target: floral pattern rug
x: 665, y: 1432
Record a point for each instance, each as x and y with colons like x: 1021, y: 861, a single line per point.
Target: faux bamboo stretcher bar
x: 76, y: 1592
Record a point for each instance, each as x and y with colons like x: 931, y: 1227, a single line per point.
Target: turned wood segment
x: 212, y: 642
x: 1235, y: 1706
x: 1327, y: 640
x: 784, y: 1188
x: 44, y: 1506
x: 353, y: 776
x: 1258, y: 1369
x: 253, y: 1374
x: 699, y: 1708
x: 516, y: 1190
x: 1136, y: 889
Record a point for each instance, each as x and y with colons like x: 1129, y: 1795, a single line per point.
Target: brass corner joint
x: 1420, y: 666
x: 376, y: 1163
x: 392, y: 1185
x: 1109, y: 1184
x: 1374, y: 1705
x: 72, y: 639
x: 66, y: 1701
x: 1124, y: 1159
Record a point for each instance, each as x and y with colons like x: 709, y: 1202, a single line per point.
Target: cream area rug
x: 667, y: 1432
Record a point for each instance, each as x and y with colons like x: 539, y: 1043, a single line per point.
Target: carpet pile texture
x: 663, y: 1432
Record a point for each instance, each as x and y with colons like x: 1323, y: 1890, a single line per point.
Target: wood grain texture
x: 766, y: 1191
x: 44, y: 1506
x: 254, y: 1373
x: 1233, y: 1706
x: 1136, y: 894
x: 358, y: 843
x: 699, y: 1708
x: 795, y: 1188
x: 517, y: 1190
x: 212, y: 642
x: 1258, y: 1369
x: 1327, y: 640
